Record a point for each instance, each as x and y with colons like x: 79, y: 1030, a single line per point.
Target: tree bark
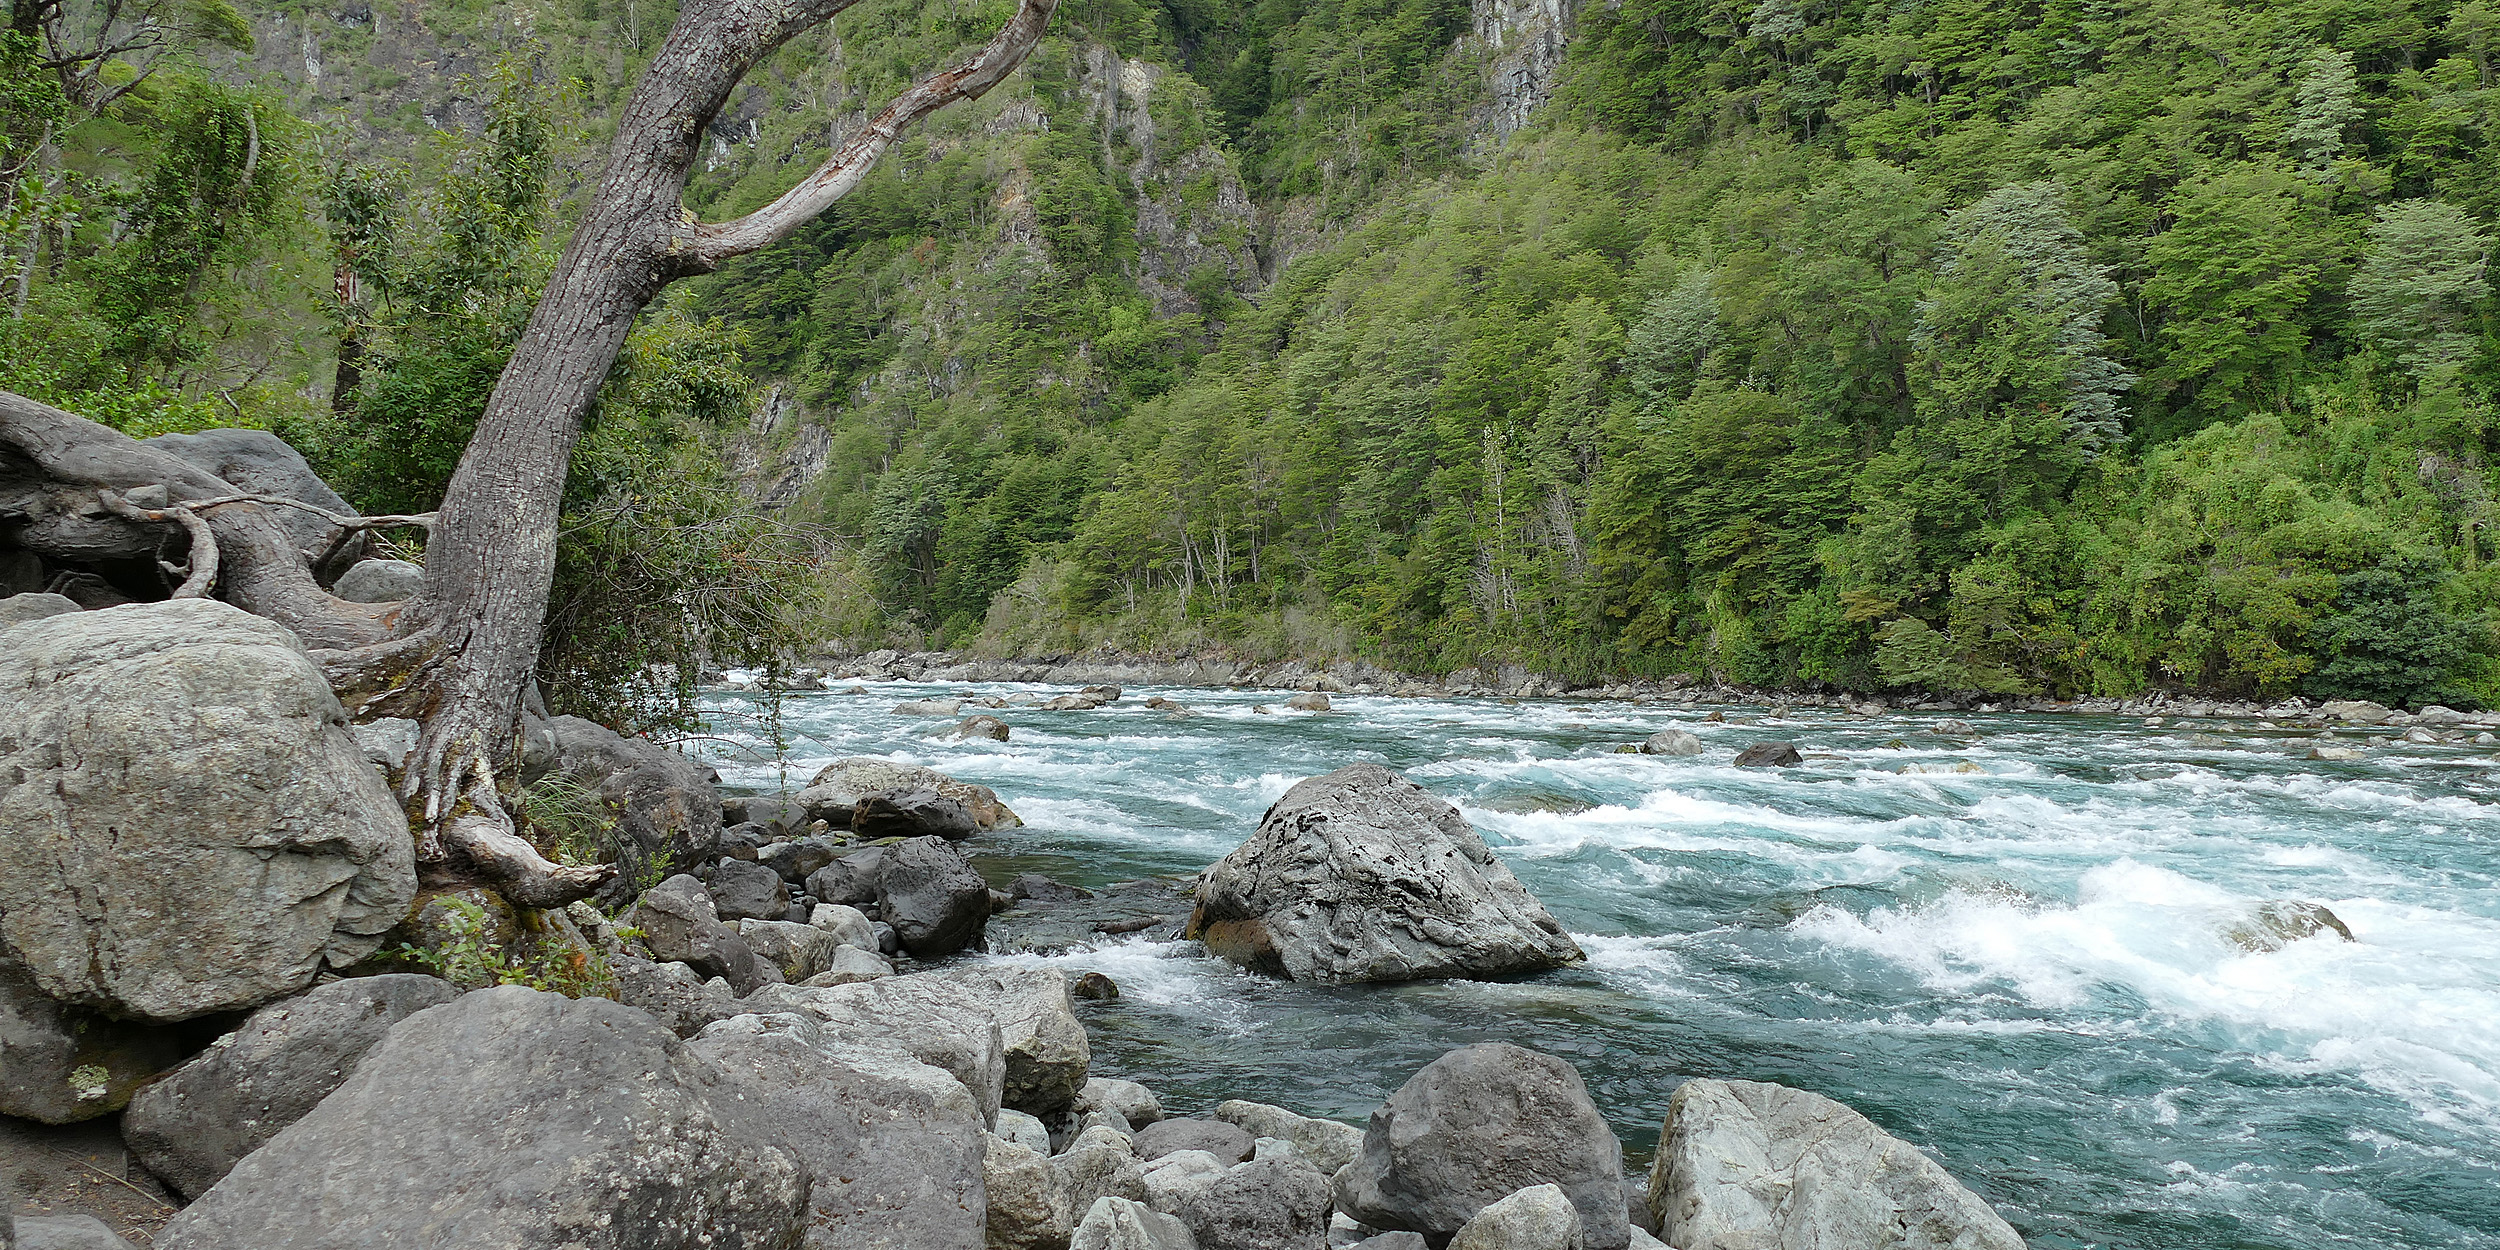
x: 491, y: 561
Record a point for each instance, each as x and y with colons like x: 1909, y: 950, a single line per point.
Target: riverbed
x: 2012, y: 954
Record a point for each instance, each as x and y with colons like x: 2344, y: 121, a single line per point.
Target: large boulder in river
x: 1475, y: 1126
x: 838, y: 787
x: 193, y: 1126
x: 1770, y: 755
x: 188, y: 826
x: 518, y: 1120
x: 912, y: 814
x: 895, y: 1145
x: 60, y: 1064
x: 1010, y: 1034
x: 1362, y: 876
x: 1744, y: 1165
x: 1671, y: 742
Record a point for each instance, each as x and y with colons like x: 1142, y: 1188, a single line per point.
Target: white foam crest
x: 2408, y: 1007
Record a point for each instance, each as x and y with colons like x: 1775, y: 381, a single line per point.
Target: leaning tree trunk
x: 491, y: 559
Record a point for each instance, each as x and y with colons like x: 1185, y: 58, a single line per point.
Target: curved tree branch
x: 714, y: 243
x: 203, y: 569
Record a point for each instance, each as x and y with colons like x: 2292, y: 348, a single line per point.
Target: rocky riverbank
x: 774, y: 1028
x: 1517, y: 682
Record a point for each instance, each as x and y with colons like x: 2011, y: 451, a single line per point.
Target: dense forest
x: 2058, y: 346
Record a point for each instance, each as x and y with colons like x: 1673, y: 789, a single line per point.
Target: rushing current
x: 2022, y: 969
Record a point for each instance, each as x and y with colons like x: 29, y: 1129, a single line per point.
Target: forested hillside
x: 2041, y: 347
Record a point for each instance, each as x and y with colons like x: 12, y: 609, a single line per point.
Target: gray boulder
x: 800, y: 951
x: 841, y: 783
x: 846, y: 924
x: 193, y: 1126
x: 678, y: 996
x: 1226, y: 1142
x: 1769, y: 755
x: 1039, y: 1046
x: 1123, y: 1224
x: 1135, y: 1104
x: 1024, y: 1130
x: 989, y: 727
x: 1027, y: 1208
x: 19, y: 609
x: 1475, y: 1126
x: 746, y: 890
x: 1325, y: 1144
x: 260, y: 462
x: 1313, y: 702
x: 64, y: 1232
x: 851, y: 879
x: 850, y: 964
x: 666, y: 806
x: 1362, y: 876
x: 1260, y: 1205
x: 797, y: 857
x: 912, y: 814
x: 929, y: 892
x: 1748, y: 1164
x: 380, y: 581
x: 1671, y: 742
x: 1099, y: 1165
x: 678, y: 923
x: 895, y: 1146
x: 59, y: 1064
x: 511, y: 1118
x: 192, y: 828
x: 1539, y: 1217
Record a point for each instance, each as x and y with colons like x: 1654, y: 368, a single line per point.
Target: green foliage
x: 469, y: 956
x: 2387, y: 638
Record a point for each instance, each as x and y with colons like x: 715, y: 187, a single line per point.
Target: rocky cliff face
x: 1522, y: 42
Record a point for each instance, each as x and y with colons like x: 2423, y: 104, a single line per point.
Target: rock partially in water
x: 1539, y: 1217
x: 1475, y: 1126
x: 2333, y: 753
x: 838, y: 786
x: 2277, y: 923
x: 1313, y: 702
x: 912, y: 813
x: 989, y: 727
x: 1360, y: 875
x: 515, y: 1119
x: 1769, y: 755
x: 1746, y: 1164
x: 929, y: 707
x: 193, y: 1125
x: 937, y: 904
x: 1671, y: 742
x: 2357, y: 711
x: 1095, y: 987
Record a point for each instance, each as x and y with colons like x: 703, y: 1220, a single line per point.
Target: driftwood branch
x: 482, y: 834
x: 714, y: 243
x: 202, y: 572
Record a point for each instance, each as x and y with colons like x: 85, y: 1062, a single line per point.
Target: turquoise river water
x: 2022, y: 969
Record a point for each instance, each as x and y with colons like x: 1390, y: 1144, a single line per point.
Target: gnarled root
x: 480, y: 832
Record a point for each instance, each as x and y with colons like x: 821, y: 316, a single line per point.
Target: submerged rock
x: 2277, y: 923
x: 1360, y: 875
x: 192, y: 828
x: 1475, y: 1126
x: 1747, y: 1164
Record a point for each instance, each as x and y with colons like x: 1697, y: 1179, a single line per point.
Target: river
x: 2021, y: 969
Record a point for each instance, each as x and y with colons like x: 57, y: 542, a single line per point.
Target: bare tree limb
x: 483, y: 834
x: 202, y: 572
x: 842, y: 171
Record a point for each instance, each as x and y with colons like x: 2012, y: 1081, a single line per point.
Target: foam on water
x: 2023, y: 969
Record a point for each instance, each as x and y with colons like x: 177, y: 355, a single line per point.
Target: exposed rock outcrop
x: 192, y: 828
x: 1362, y: 876
x: 1748, y: 1164
x: 839, y: 785
x: 520, y: 1120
